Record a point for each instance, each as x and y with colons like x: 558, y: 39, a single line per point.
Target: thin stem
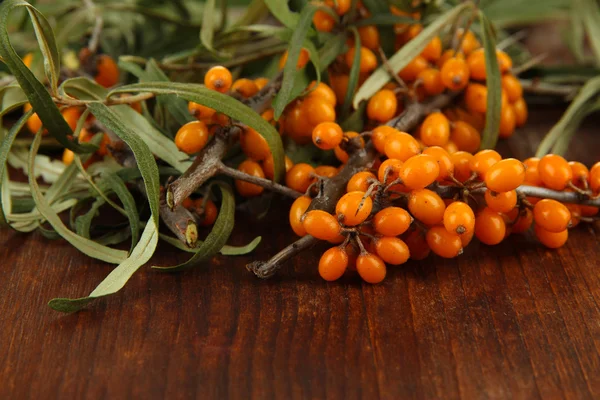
x: 529, y: 64
x: 265, y: 183
x: 389, y: 69
x: 109, y: 102
x: 266, y: 269
x: 544, y: 88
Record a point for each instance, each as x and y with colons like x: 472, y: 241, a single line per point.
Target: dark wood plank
x: 510, y: 321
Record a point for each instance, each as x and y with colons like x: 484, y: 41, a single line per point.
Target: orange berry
x: 520, y: 108
x: 207, y: 211
x: 389, y: 170
x: 490, y: 227
x: 300, y: 177
x: 218, y: 78
x: 455, y: 73
x: 327, y: 135
x: 444, y: 243
x: 504, y: 61
x: 321, y: 225
x: 254, y: 145
x: 268, y: 166
x: 476, y: 98
x: 382, y: 106
x: 379, y: 136
x: 340, y: 153
x: 575, y: 211
x: 398, y: 145
x: 192, y: 137
x: 245, y: 87
x: 68, y: 157
x: 333, y: 264
x: 466, y: 238
x: 297, y: 125
x: 71, y: 116
x: 431, y: 79
x: 501, y: 202
x: 199, y: 111
x: 392, y: 250
x: 508, y: 121
x: 433, y: 51
x: 554, y: 171
x: 392, y: 221
x: 339, y: 85
x: 261, y: 82
x: 459, y: 218
x: 318, y: 110
x: 341, y: 7
x: 426, y: 206
x: 465, y: 136
x: 303, y: 59
x: 361, y: 181
x: 323, y: 22
x: 417, y: 244
x: 469, y: 42
x: 476, y: 63
x: 368, y: 61
x: 410, y: 72
x: 523, y: 221
x: 580, y: 173
x: 450, y: 147
x: 369, y: 36
x: 435, y: 130
x: 371, y: 268
x: 483, y: 161
x: 461, y: 161
x: 552, y: 240
x: 34, y: 123
x: 444, y: 161
x: 297, y: 210
x: 27, y: 59
x: 595, y: 177
x: 419, y: 171
x: 505, y: 175
x: 326, y: 171
x: 247, y: 189
x: 103, y: 146
x: 447, y: 55
x: 532, y: 175
x: 107, y: 71
x: 322, y: 91
x: 512, y: 87
x: 551, y: 215
x: 353, y: 208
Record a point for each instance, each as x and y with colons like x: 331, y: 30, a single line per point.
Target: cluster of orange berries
x: 393, y: 212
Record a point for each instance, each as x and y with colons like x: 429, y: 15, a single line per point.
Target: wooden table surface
x: 510, y: 321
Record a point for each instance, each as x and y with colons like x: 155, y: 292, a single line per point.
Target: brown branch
x: 266, y: 269
x: 265, y: 183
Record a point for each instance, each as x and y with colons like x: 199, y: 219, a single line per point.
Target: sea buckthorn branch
x: 265, y: 183
x: 334, y: 188
x: 111, y: 101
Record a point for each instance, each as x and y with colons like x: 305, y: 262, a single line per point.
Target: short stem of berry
x: 265, y: 183
x: 266, y: 269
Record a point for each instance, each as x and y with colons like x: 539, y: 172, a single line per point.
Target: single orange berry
x: 247, y: 189
x: 389, y: 170
x: 433, y: 51
x: 476, y: 98
x: 444, y: 243
x: 318, y: 110
x: 555, y: 171
x: 268, y: 166
x: 444, y: 161
x: 490, y: 227
x: 322, y: 91
x: 341, y: 7
x: 504, y: 61
x: 361, y: 181
x: 392, y: 221
x: 245, y: 87
x: 419, y: 171
x: 476, y: 63
x: 339, y: 85
x: 580, y: 173
x: 447, y: 55
x: 523, y: 221
x: 508, y: 121
x: 382, y: 106
x: 68, y: 157
x: 34, y: 123
x: 369, y: 36
x: 431, y: 78
x: 455, y: 74
x: 27, y: 59
x: 297, y: 210
x: 595, y: 177
x: 398, y: 145
x: 392, y: 250
x: 461, y: 161
x: 411, y: 71
x: 417, y: 244
x: 459, y: 218
x: 501, y: 202
x: 107, y: 71
x: 368, y: 61
x: 426, y: 206
x: 261, y: 82
x: 199, y: 111
x: 254, y: 145
x: 371, y: 268
x: 326, y: 171
x: 552, y: 240
x: 192, y: 137
x: 465, y: 136
x: 483, y: 161
x: 551, y: 215
x: 435, y: 130
x: 323, y: 22
x: 218, y: 78
x: 333, y: 264
x: 469, y: 41
x: 300, y: 177
x: 512, y: 87
x: 353, y: 208
x: 520, y: 108
x: 505, y: 175
x: 303, y: 59
x: 532, y: 174
x: 379, y: 136
x: 327, y: 135
x: 321, y: 225
x: 207, y: 210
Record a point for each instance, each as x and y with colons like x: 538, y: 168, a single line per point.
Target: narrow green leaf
x: 222, y: 103
x: 177, y: 107
x: 87, y: 246
x: 218, y: 236
x: 45, y: 38
x: 208, y: 30
x: 281, y: 11
x: 37, y: 94
x: 83, y: 223
x: 407, y: 53
x: 225, y: 250
x: 118, y: 187
x: 254, y: 12
x: 493, y: 81
x: 332, y: 48
x: 354, y: 75
x: 580, y: 102
x: 590, y: 15
x: 83, y: 89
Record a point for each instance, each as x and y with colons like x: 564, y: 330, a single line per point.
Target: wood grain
x: 510, y: 321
